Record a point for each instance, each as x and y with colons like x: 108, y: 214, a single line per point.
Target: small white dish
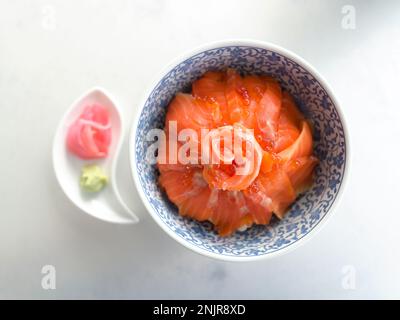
x: 107, y: 204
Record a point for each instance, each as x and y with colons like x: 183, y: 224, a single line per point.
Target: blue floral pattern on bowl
x: 329, y: 146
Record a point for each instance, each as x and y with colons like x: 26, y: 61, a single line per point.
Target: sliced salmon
x: 211, y: 87
x: 223, y: 214
x: 289, y: 123
x: 258, y: 202
x: 240, y: 169
x: 278, y: 187
x: 168, y: 157
x: 301, y: 147
x: 255, y: 86
x: 300, y: 172
x: 269, y: 110
x: 192, y: 113
x: 282, y: 163
x: 197, y: 209
x: 188, y: 191
x: 268, y: 162
x: 237, y: 97
x: 194, y: 199
x: 290, y: 109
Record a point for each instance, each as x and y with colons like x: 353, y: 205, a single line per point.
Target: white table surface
x: 52, y: 51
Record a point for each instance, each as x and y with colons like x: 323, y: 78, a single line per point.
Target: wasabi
x: 93, y: 178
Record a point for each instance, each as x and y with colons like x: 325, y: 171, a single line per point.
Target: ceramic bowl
x: 315, y: 99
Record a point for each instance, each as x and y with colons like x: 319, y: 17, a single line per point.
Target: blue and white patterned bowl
x: 314, y: 98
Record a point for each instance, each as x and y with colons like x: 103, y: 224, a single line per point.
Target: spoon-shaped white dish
x: 107, y: 204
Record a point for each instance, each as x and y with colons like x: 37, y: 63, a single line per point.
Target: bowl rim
x: 249, y: 43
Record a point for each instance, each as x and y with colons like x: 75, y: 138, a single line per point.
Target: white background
x: 52, y: 51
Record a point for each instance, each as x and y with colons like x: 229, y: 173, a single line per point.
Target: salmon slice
x: 168, y: 157
x: 194, y: 199
x: 195, y: 207
x: 300, y: 172
x: 255, y: 86
x: 231, y: 212
x: 181, y: 185
x: 289, y: 123
x: 301, y: 147
x: 187, y: 112
x: 211, y: 87
x: 269, y: 162
x: 273, y: 191
x: 237, y: 97
x: 277, y: 186
x: 268, y: 111
x: 259, y: 204
x: 290, y: 109
x: 189, y: 192
x: 240, y: 170
x: 192, y: 113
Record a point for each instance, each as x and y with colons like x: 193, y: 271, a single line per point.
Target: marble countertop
x: 52, y: 51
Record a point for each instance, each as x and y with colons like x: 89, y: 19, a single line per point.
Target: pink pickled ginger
x: 89, y: 137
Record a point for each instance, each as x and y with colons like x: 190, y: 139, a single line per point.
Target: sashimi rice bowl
x: 239, y: 151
